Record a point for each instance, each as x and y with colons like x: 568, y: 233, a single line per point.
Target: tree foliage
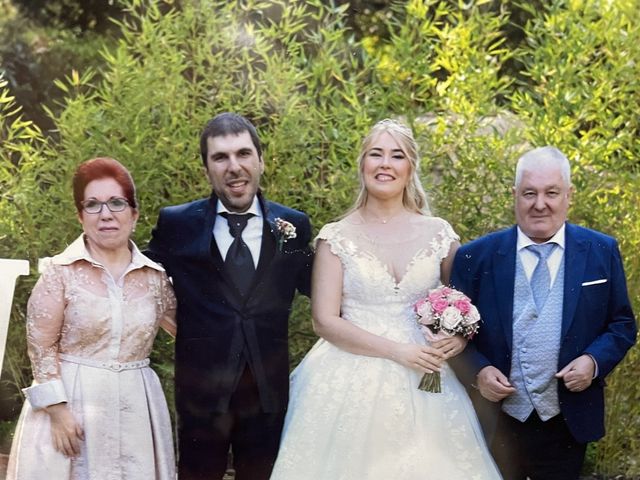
x: 313, y: 88
x: 33, y: 55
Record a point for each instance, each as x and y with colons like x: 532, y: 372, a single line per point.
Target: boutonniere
x: 285, y: 231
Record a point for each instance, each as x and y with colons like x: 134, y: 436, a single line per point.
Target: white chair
x: 10, y: 270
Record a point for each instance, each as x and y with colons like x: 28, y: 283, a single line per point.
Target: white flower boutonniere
x: 285, y: 231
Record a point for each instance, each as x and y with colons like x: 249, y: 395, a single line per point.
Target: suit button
x: 529, y: 381
x: 523, y: 349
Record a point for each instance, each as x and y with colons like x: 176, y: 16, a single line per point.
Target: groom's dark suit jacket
x: 597, y: 318
x: 217, y: 328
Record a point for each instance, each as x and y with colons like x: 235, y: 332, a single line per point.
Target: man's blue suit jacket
x: 597, y: 318
x: 218, y: 329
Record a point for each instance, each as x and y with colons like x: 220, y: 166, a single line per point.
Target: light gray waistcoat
x: 536, y: 345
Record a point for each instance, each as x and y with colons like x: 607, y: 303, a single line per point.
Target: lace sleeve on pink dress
x: 45, y: 319
x: 167, y: 311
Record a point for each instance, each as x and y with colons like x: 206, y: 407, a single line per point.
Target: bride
x: 355, y: 411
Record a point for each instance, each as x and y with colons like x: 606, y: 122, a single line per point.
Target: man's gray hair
x: 543, y: 157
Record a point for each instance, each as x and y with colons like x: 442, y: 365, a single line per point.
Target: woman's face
x: 106, y: 230
x: 385, y: 168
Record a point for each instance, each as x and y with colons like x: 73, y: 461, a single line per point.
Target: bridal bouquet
x: 445, y: 311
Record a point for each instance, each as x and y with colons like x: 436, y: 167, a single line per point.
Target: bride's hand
x: 423, y: 358
x: 449, y: 346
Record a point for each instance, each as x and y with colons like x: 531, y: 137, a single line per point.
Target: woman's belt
x: 113, y: 366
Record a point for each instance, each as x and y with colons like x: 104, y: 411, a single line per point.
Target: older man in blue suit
x: 556, y: 320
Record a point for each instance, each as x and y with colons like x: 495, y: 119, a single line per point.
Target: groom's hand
x: 493, y: 384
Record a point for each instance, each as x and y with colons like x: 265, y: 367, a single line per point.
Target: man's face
x: 541, y: 202
x: 233, y: 168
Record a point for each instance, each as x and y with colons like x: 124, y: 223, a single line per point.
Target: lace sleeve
x: 167, y: 306
x: 45, y: 314
x: 45, y: 318
x: 332, y: 234
x: 446, y: 237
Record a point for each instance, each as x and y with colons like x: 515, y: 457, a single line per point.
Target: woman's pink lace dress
x: 89, y: 337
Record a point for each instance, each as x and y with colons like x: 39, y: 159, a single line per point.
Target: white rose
x: 451, y: 317
x: 457, y: 295
x: 473, y: 316
x: 426, y: 313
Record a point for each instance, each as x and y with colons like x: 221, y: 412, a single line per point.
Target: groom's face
x: 542, y: 202
x: 233, y: 168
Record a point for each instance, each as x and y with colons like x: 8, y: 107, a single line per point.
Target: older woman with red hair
x: 95, y: 409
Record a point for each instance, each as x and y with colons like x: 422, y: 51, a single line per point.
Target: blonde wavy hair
x: 414, y: 197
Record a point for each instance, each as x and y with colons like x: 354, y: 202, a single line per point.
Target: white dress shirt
x: 251, y: 235
x: 530, y: 260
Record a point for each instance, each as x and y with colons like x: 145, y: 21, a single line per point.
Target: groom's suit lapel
x: 504, y: 268
x: 207, y: 246
x: 268, y: 248
x: 575, y: 262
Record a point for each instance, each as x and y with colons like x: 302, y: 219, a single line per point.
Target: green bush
x: 296, y: 70
x: 33, y: 55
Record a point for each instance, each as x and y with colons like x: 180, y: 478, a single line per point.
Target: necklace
x: 373, y: 218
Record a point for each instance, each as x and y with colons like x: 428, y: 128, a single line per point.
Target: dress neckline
x: 419, y: 255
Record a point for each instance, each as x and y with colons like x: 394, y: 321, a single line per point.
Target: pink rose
x: 463, y: 305
x: 434, y: 295
x: 446, y: 291
x: 439, y: 305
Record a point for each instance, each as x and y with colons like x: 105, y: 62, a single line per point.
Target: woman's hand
x: 66, y: 432
x: 422, y: 358
x: 450, y: 346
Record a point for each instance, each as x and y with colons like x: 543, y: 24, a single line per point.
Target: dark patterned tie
x: 541, y: 277
x: 238, y: 263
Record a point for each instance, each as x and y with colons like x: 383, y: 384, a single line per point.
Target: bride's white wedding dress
x: 354, y: 417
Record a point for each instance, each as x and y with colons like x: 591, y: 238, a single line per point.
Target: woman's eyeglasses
x: 116, y: 204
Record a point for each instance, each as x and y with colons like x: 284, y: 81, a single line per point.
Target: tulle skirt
x: 353, y: 417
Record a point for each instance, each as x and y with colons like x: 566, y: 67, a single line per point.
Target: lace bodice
x: 386, y: 270
x: 77, y: 308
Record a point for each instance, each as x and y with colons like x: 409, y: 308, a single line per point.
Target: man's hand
x: 493, y: 385
x: 578, y: 373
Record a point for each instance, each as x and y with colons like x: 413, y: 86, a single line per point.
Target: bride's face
x: 385, y: 168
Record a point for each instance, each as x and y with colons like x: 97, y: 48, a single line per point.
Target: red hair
x: 98, y: 168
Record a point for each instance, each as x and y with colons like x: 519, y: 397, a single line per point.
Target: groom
x: 236, y: 260
x: 556, y: 321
